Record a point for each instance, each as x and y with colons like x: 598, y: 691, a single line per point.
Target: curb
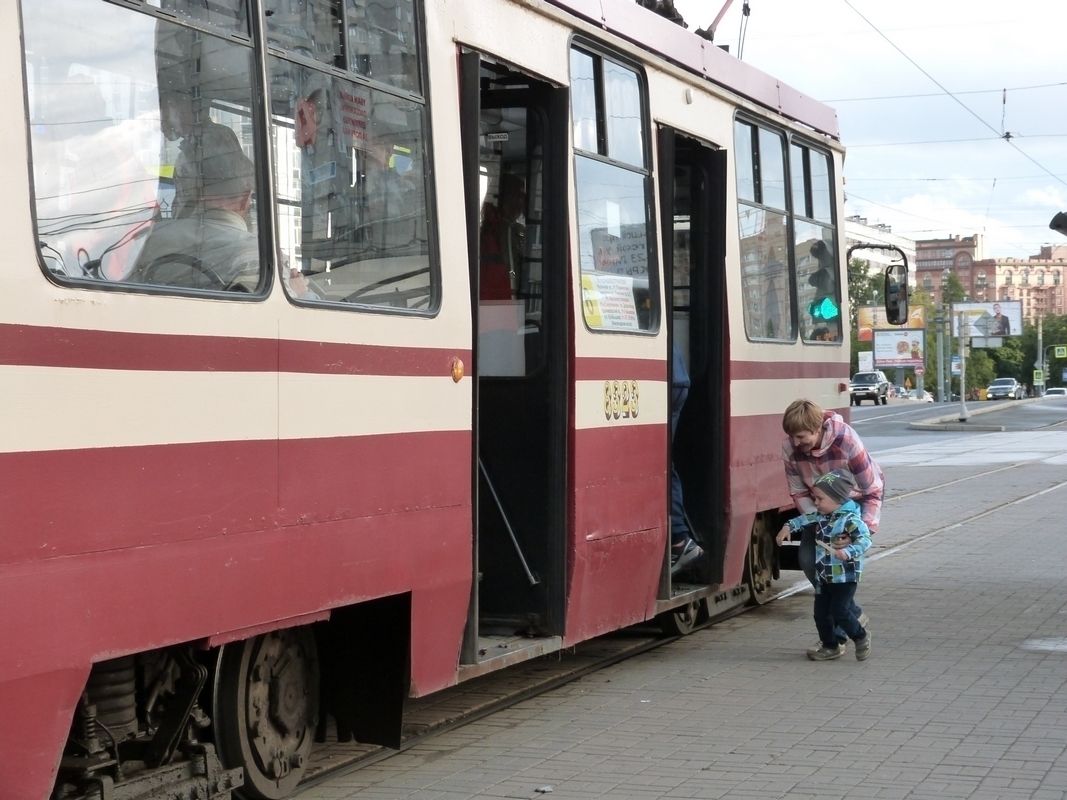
x: 952, y: 422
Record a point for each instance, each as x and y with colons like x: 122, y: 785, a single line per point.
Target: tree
x: 952, y: 290
x: 862, y: 291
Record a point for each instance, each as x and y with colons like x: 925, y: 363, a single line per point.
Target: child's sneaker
x: 863, y: 647
x: 827, y: 653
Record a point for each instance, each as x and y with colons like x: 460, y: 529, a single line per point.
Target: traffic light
x: 825, y: 308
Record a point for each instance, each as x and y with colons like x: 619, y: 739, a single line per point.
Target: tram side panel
x: 619, y: 478
x: 201, y: 470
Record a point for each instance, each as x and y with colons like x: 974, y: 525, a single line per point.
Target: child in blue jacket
x: 841, y: 539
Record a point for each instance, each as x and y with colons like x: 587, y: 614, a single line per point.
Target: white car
x: 1056, y: 391
x: 924, y: 397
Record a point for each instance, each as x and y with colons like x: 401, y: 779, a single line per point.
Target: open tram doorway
x: 514, y: 130
x: 693, y: 207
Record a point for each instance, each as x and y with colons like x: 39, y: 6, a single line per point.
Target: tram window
x: 765, y: 279
x: 140, y: 133
x: 619, y: 291
x: 744, y: 159
x: 766, y: 252
x: 771, y: 169
x: 375, y: 39
x: 583, y: 102
x: 814, y: 252
x: 818, y: 291
x: 351, y: 188
x: 230, y: 16
x: 810, y: 176
x: 625, y: 131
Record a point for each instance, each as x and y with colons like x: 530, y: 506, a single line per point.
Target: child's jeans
x: 834, y: 609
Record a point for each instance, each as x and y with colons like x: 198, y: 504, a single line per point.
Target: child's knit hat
x: 837, y: 485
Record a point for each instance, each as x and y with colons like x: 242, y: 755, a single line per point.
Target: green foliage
x: 952, y: 290
x: 980, y: 370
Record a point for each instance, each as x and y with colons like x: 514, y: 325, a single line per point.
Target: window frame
x: 790, y: 139
x: 263, y: 216
x: 255, y: 41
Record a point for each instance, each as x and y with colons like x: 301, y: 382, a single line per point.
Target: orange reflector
x: 457, y: 370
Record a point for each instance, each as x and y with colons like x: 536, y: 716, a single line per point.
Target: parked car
x: 1005, y: 389
x: 869, y: 386
x: 1056, y: 391
x: 925, y: 396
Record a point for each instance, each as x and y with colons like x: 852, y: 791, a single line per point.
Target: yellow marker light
x: 457, y: 370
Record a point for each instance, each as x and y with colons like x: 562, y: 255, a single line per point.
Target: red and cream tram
x: 334, y: 342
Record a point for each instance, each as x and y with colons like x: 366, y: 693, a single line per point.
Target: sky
x: 924, y: 92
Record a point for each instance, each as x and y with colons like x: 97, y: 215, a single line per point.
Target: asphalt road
x: 884, y: 427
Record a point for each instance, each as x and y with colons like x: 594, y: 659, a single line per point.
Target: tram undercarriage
x: 196, y: 723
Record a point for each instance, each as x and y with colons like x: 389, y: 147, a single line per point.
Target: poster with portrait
x: 872, y: 318
x: 998, y: 318
x: 900, y: 347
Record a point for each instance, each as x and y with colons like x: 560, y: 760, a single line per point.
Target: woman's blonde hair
x: 802, y: 416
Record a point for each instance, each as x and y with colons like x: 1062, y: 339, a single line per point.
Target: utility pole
x: 1040, y: 363
x: 939, y: 321
x: 964, y: 415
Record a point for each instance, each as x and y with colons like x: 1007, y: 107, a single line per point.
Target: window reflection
x: 613, y: 246
x: 142, y: 148
x: 380, y: 43
x: 623, y: 116
x: 765, y: 284
x: 818, y: 290
x: 351, y: 186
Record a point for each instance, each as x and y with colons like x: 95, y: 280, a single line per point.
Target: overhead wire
x: 1006, y: 137
x: 939, y: 94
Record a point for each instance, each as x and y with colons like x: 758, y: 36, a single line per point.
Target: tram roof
x: 696, y: 54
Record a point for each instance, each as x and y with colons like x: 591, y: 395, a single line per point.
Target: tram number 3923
x: 621, y: 399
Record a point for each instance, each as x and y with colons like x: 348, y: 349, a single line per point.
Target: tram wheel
x: 759, y: 561
x: 266, y: 705
x: 683, y: 620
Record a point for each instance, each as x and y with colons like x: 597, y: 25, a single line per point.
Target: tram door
x: 693, y: 205
x: 514, y: 134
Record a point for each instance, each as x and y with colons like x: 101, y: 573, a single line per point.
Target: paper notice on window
x: 608, y: 301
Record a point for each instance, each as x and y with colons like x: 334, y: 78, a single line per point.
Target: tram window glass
x: 818, y: 291
x: 375, y: 39
x: 583, y: 102
x: 351, y: 187
x: 622, y: 101
x: 619, y: 291
x: 230, y: 16
x: 140, y: 133
x: 744, y: 160
x: 771, y: 169
x: 810, y: 176
x: 814, y: 253
x: 766, y: 252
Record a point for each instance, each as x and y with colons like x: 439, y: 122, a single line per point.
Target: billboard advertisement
x: 899, y: 347
x: 999, y: 318
x: 872, y: 318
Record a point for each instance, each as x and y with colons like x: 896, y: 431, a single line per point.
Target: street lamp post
x: 964, y: 414
x: 939, y: 321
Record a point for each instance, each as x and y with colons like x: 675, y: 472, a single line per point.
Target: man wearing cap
x: 212, y: 248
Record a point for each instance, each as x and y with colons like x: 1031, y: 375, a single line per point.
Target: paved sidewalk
x: 965, y: 695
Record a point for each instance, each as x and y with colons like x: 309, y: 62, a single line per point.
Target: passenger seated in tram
x: 212, y: 248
